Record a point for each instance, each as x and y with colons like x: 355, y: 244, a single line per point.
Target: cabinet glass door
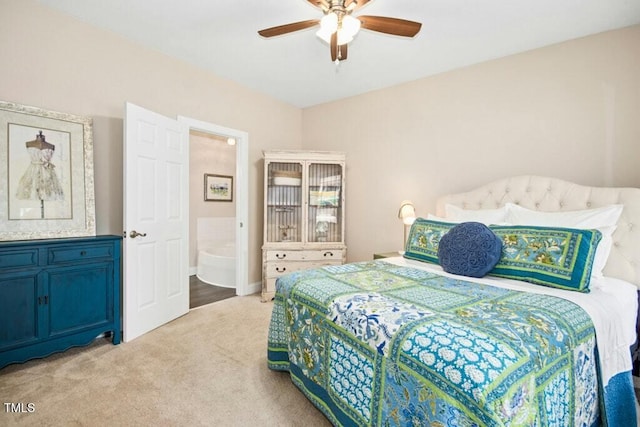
x: 325, y: 203
x: 284, y: 202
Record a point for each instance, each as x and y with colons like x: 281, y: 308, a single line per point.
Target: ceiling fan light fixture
x: 347, y: 28
x: 329, y: 23
x: 324, y: 35
x: 328, y: 26
x: 344, y: 37
x: 350, y: 25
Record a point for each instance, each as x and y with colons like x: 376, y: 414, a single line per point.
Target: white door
x: 156, y: 221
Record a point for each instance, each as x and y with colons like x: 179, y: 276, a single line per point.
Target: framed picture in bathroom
x: 218, y: 188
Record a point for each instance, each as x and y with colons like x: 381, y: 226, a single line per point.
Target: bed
x: 402, y: 342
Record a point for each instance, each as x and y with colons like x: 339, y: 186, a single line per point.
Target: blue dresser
x: 56, y: 294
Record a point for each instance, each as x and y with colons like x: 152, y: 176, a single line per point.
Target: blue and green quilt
x: 378, y: 344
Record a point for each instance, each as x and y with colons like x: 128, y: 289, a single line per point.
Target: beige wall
x: 570, y: 111
x: 52, y: 61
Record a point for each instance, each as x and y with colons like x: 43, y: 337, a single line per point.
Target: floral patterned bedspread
x: 379, y: 344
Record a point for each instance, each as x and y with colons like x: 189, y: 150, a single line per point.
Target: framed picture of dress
x: 47, y: 190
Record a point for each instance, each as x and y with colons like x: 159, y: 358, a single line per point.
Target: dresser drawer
x: 304, y: 255
x: 79, y: 253
x: 13, y: 259
x: 275, y: 269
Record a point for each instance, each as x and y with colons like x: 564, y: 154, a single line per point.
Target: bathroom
x: 212, y: 210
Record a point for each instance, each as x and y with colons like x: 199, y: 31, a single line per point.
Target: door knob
x: 135, y: 234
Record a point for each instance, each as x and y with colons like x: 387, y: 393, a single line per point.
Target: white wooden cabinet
x: 303, y: 213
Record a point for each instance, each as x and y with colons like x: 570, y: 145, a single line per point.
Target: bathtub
x: 217, y: 265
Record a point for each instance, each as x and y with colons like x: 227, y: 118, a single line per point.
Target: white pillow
x: 433, y: 217
x: 485, y: 216
x: 605, y: 216
x: 604, y: 219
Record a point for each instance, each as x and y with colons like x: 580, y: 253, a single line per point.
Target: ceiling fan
x: 338, y: 26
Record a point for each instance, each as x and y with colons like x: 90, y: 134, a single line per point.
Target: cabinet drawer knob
x: 83, y: 253
x: 326, y: 254
x: 281, y: 270
x: 281, y: 256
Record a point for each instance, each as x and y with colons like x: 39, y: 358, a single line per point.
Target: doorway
x: 240, y: 193
x: 212, y: 206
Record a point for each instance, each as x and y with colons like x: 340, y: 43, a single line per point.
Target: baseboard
x: 254, y: 288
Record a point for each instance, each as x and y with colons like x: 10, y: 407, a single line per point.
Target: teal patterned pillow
x: 424, y: 238
x: 557, y: 257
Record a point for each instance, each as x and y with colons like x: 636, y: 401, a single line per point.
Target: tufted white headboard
x: 552, y: 195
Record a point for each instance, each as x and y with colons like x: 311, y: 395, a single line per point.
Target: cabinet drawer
x: 275, y: 269
x: 315, y: 255
x: 18, y: 259
x: 79, y: 253
x: 271, y: 278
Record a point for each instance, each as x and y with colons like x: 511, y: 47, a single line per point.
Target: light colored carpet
x: 205, y: 368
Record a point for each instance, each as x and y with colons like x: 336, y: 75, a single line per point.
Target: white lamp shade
x: 344, y: 38
x: 350, y: 25
x: 409, y: 220
x: 407, y: 212
x: 324, y: 35
x: 328, y: 26
x: 329, y: 22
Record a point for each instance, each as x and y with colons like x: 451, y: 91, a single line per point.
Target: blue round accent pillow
x: 469, y: 249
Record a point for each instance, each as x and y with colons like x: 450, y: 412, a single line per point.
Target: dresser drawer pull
x: 44, y: 299
x: 326, y: 254
x: 281, y: 256
x: 281, y: 270
x: 83, y: 253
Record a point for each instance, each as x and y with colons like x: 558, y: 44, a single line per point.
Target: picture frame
x: 218, y: 188
x: 47, y: 190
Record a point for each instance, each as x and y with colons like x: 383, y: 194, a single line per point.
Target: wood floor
x: 201, y: 293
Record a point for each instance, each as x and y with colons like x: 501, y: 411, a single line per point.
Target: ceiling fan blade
x: 342, y: 52
x: 288, y: 28
x: 393, y: 26
x: 322, y: 4
x: 334, y: 46
x: 359, y: 3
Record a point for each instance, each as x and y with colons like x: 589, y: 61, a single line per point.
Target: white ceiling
x: 221, y: 36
